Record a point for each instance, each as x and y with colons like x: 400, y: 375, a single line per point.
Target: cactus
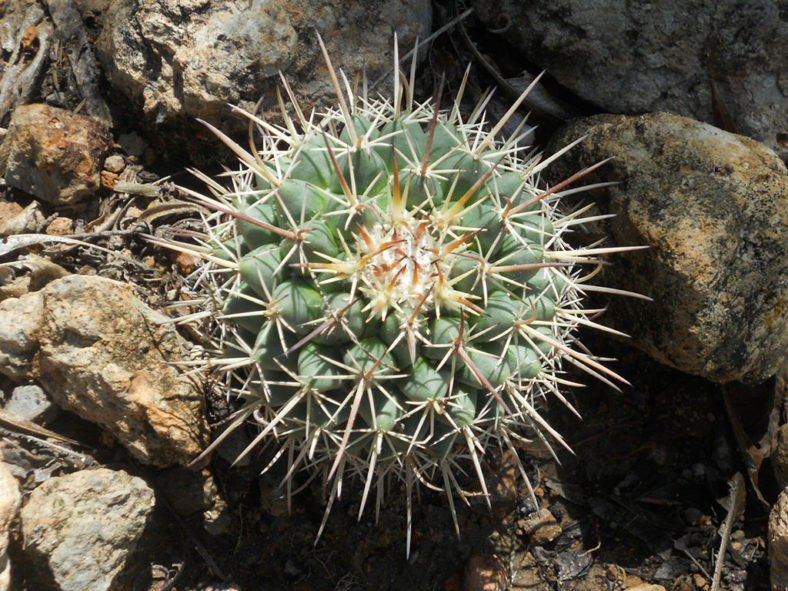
x: 390, y: 291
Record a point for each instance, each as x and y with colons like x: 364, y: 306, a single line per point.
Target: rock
x: 103, y: 355
x: 28, y: 273
x: 132, y: 144
x: 80, y: 529
x: 53, y: 154
x: 526, y: 571
x: 115, y: 163
x: 30, y: 403
x: 14, y: 219
x: 485, y: 572
x: 176, y: 62
x: 20, y: 319
x: 10, y: 500
x: 712, y: 208
x: 60, y: 226
x: 778, y: 542
x: 712, y: 61
x: 8, y: 211
x: 542, y: 527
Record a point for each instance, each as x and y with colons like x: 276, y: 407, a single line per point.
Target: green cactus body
x: 395, y: 292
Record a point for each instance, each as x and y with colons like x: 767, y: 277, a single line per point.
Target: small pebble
x: 108, y: 179
x: 541, y: 527
x: 186, y: 262
x: 114, y: 163
x: 132, y: 144
x: 32, y: 404
x: 60, y: 226
x: 681, y: 584
x: 699, y: 580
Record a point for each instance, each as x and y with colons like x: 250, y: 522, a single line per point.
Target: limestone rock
x: 10, y: 500
x: 20, y: 320
x: 80, y: 529
x: 17, y: 220
x: 32, y: 404
x: 707, y: 60
x: 713, y: 208
x: 179, y: 61
x: 53, y: 154
x: 102, y: 354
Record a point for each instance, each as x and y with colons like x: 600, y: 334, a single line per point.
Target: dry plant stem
x: 737, y: 500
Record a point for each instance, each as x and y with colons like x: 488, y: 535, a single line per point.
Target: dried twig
x: 736, y: 499
x: 10, y: 244
x: 14, y: 421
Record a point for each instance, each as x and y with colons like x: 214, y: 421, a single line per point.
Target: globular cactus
x: 394, y: 290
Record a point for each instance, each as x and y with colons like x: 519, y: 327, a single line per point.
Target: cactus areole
x: 390, y: 291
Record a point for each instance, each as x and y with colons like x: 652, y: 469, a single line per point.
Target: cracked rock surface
x: 102, y: 354
x: 711, y: 206
x: 720, y: 62
x: 80, y: 529
x: 54, y: 154
x: 207, y: 54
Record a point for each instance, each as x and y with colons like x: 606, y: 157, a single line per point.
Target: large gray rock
x: 80, y: 529
x: 661, y: 56
x: 181, y: 60
x: 713, y: 208
x: 101, y: 353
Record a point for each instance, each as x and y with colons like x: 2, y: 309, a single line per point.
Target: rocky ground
x: 673, y: 483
